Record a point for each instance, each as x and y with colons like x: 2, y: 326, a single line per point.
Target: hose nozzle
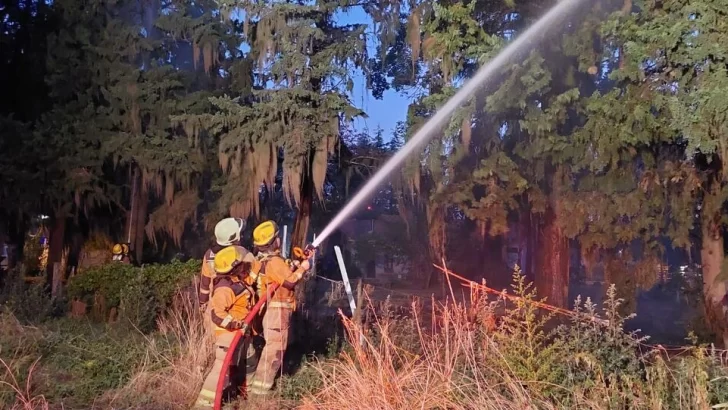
x: 305, y: 253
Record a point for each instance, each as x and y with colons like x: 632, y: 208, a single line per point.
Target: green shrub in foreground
x: 140, y: 293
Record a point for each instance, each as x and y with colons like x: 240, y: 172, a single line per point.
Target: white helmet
x: 228, y: 231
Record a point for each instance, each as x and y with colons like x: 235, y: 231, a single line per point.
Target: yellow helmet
x: 116, y: 250
x: 125, y: 249
x: 227, y: 259
x: 265, y: 233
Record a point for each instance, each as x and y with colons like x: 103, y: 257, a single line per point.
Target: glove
x: 306, y: 265
x: 203, y: 307
x: 236, y: 325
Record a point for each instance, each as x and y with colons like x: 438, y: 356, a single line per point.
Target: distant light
x: 43, y: 217
x: 369, y: 208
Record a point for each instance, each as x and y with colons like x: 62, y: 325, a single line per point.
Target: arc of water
x: 560, y: 10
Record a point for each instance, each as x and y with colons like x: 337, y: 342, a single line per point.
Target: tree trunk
x: 141, y: 221
x: 528, y: 246
x: 552, y: 266
x: 303, y: 217
x: 136, y: 215
x: 16, y: 234
x: 712, y: 255
x: 55, y: 244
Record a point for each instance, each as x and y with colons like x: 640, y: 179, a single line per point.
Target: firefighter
x: 120, y: 253
x: 232, y: 298
x: 280, y: 305
x: 227, y: 233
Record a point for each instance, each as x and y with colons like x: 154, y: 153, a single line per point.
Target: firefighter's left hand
x: 306, y: 264
x: 237, y: 324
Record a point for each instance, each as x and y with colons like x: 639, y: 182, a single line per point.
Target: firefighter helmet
x: 227, y: 259
x: 265, y: 233
x: 227, y: 231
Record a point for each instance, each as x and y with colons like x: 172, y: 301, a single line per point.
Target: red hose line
x: 234, y: 344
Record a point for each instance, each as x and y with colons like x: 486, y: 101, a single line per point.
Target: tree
x: 676, y: 76
x: 303, y: 77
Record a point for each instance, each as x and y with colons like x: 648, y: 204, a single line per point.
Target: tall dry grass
x: 446, y: 373
x: 19, y: 360
x: 516, y: 366
x: 25, y: 397
x: 177, y: 358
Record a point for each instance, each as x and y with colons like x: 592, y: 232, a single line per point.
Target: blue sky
x: 392, y: 107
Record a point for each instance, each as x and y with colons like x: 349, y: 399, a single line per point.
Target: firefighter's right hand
x: 306, y: 265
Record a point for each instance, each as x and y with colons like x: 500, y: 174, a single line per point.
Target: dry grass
x: 20, y: 360
x: 25, y: 399
x: 464, y: 365
x: 455, y: 359
x: 447, y: 373
x: 175, y: 365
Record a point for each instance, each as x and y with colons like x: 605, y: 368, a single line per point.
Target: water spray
x: 562, y: 9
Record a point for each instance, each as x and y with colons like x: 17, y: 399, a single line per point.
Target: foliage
x: 534, y: 356
x: 27, y: 302
x: 305, y: 382
x: 458, y: 353
x: 78, y: 360
x: 142, y: 293
x: 176, y: 360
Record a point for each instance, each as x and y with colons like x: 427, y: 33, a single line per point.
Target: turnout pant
x: 236, y: 374
x: 276, y: 330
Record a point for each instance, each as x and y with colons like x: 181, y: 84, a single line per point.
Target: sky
x: 392, y: 107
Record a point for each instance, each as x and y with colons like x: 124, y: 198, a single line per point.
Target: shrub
x: 73, y: 362
x: 81, y: 364
x: 140, y: 293
x: 28, y: 302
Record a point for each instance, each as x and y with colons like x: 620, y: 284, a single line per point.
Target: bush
x: 140, y: 293
x: 175, y: 362
x: 28, y: 302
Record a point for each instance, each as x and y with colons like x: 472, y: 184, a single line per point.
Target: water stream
x: 522, y: 43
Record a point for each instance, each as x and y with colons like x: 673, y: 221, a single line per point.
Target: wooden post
x: 359, y: 315
x: 56, y: 282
